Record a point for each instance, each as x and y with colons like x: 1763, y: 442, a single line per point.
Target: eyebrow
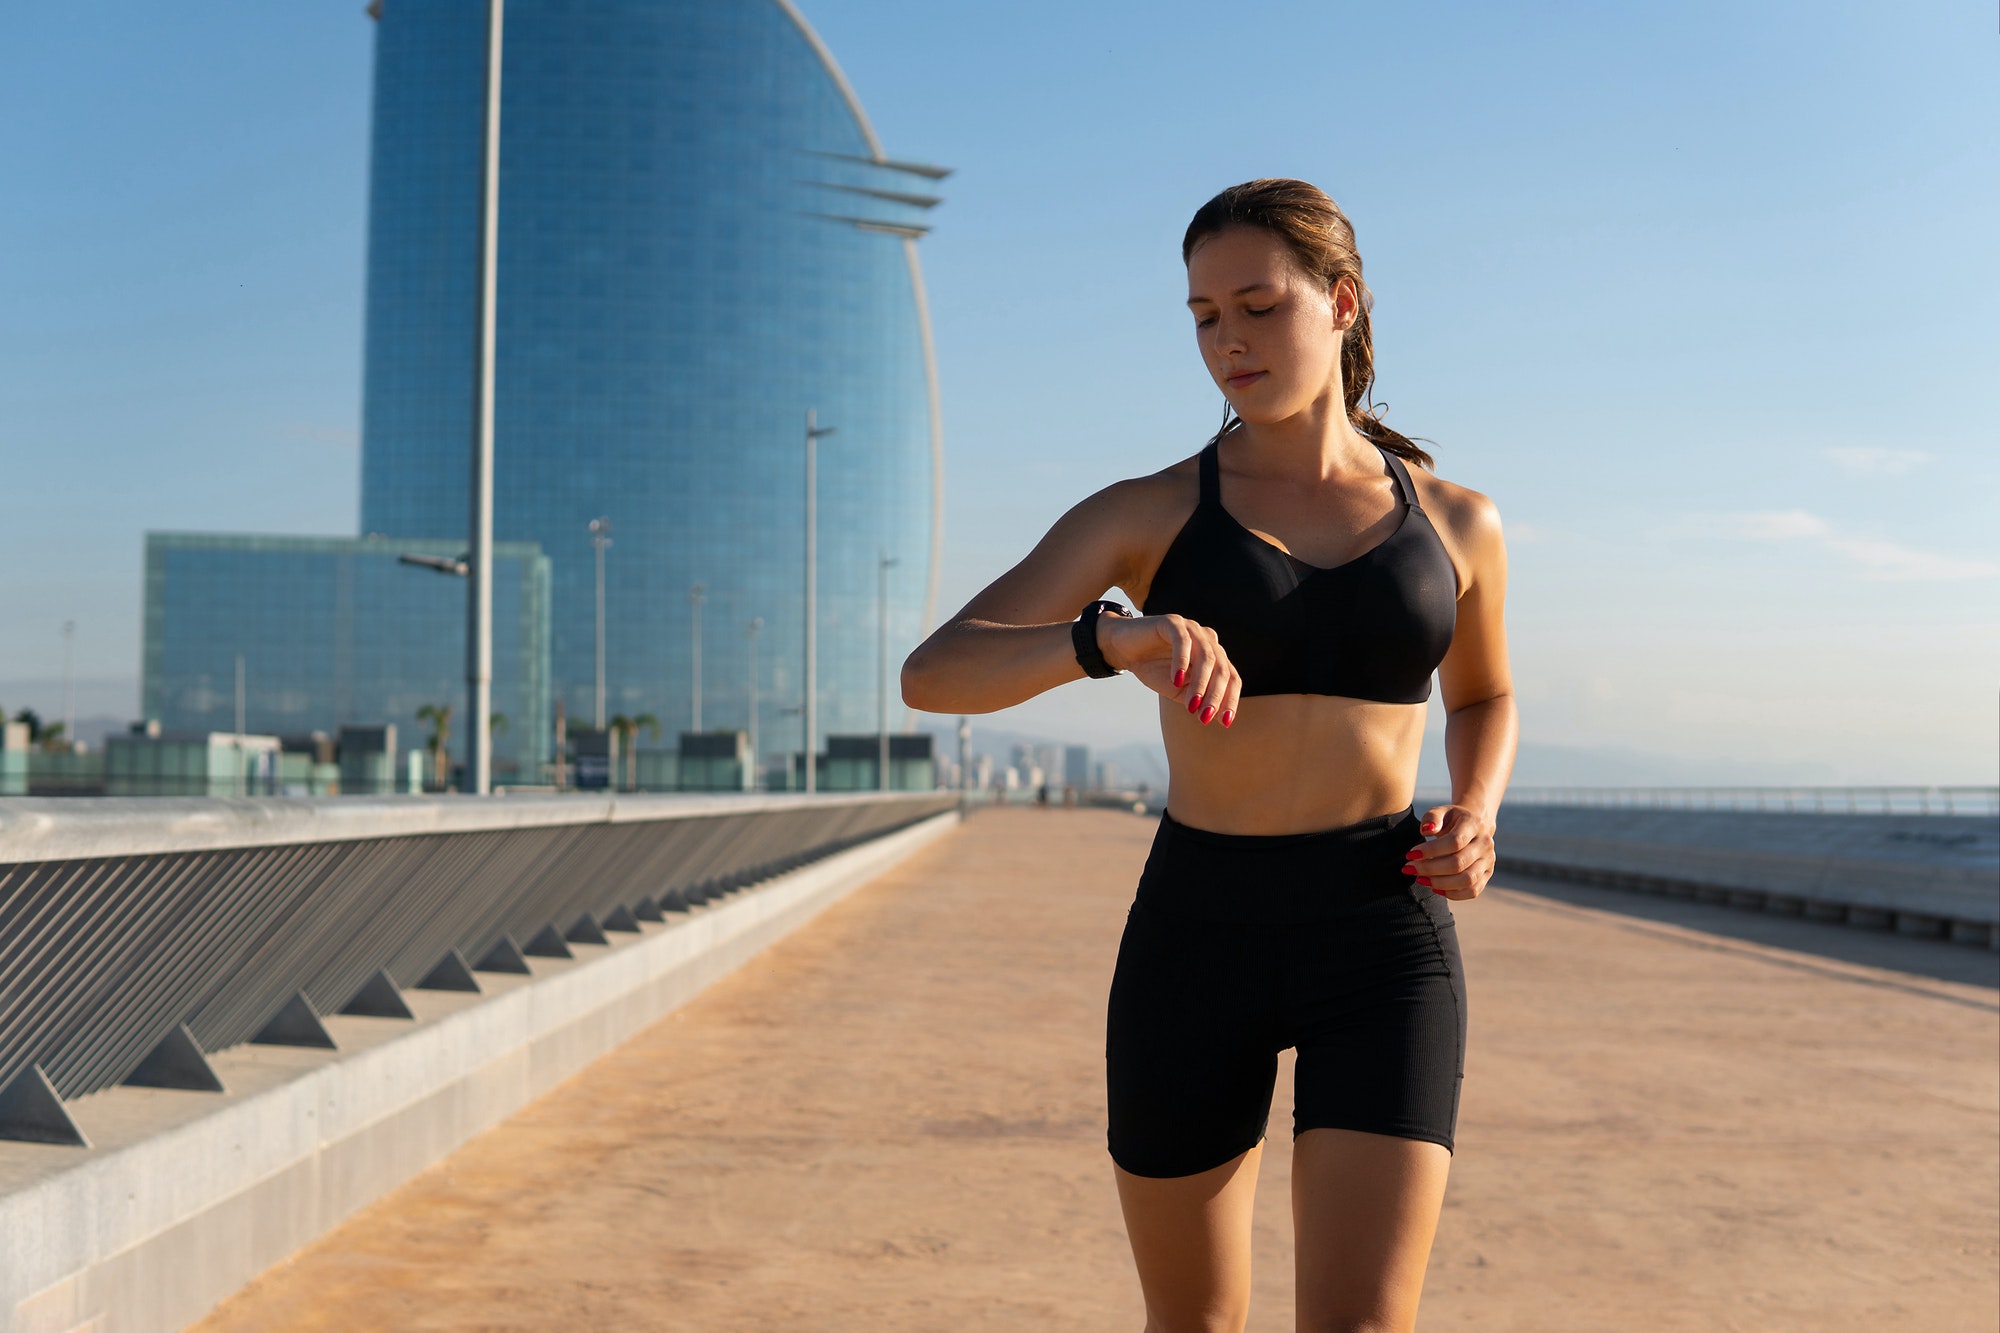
x: 1240, y: 291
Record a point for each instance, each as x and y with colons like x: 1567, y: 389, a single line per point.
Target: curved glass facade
x: 699, y: 240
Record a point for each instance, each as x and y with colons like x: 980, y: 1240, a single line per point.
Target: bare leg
x: 1191, y: 1241
x: 1364, y: 1210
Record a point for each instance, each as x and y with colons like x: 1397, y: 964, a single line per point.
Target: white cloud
x: 1894, y: 561
x: 1766, y: 525
x: 1871, y: 461
x: 1878, y: 559
x: 1526, y: 534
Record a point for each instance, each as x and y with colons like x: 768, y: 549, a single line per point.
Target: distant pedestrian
x: 1299, y: 563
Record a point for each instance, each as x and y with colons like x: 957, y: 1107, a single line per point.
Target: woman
x: 1299, y: 586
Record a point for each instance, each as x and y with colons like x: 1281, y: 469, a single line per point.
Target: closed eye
x: 1260, y: 313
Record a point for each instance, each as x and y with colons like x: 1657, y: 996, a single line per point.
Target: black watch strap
x: 1083, y: 636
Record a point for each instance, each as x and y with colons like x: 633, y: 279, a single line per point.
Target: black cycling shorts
x: 1238, y: 947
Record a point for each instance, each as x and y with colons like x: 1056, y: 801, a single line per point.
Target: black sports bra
x: 1373, y: 628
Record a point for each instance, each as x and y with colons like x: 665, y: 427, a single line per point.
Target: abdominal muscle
x: 1292, y: 763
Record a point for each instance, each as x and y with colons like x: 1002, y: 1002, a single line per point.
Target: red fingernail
x: 1423, y: 881
x: 1207, y: 713
x: 1194, y: 704
x: 1430, y: 828
x: 1228, y: 717
x: 1413, y: 853
x: 1180, y: 679
x: 1409, y: 870
x: 1438, y: 892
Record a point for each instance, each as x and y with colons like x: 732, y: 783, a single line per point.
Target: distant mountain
x: 1541, y: 765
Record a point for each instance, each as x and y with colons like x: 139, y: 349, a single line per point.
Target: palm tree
x: 627, y: 730
x: 438, y: 718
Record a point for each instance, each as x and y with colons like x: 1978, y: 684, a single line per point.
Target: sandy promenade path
x: 894, y: 1121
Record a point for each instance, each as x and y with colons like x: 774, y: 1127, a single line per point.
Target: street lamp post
x: 750, y: 633
x: 600, y: 537
x: 242, y: 779
x: 696, y: 596
x: 69, y: 683
x: 811, y: 709
x: 883, y: 564
x: 479, y: 583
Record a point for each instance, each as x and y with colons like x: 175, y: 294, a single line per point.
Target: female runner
x: 1300, y: 583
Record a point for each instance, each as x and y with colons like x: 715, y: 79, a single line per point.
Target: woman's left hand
x: 1455, y: 860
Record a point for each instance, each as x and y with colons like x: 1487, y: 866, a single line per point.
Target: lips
x: 1245, y: 379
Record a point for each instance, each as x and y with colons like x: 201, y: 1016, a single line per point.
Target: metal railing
x: 1794, y: 800
x: 131, y: 927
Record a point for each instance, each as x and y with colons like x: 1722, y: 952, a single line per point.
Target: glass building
x: 337, y: 632
x: 700, y: 238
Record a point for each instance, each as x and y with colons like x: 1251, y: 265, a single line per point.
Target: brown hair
x: 1321, y: 239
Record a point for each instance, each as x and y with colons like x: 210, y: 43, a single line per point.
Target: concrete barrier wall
x: 1936, y: 875
x: 185, y: 1196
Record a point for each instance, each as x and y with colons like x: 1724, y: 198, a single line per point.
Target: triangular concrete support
x: 504, y: 957
x: 648, y: 910
x: 451, y: 973
x: 621, y: 919
x: 378, y: 998
x: 547, y: 944
x: 297, y: 1024
x: 30, y: 1112
x: 586, y: 931
x: 177, y: 1062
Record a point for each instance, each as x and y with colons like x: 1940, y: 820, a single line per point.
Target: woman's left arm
x: 1481, y: 725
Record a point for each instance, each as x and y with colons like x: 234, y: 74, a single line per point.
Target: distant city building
x: 334, y: 632
x: 700, y: 238
x: 1076, y: 767
x: 1107, y: 775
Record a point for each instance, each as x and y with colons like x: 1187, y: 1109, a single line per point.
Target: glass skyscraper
x: 336, y: 631
x: 700, y: 239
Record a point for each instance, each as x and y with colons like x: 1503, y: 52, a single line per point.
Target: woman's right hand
x: 1177, y: 659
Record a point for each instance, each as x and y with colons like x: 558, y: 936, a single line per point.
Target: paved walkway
x: 893, y: 1121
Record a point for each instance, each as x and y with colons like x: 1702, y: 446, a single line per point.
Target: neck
x: 1318, y: 444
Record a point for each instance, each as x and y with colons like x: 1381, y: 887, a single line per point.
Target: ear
x: 1346, y: 300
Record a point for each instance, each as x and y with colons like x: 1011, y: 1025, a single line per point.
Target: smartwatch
x: 1083, y: 635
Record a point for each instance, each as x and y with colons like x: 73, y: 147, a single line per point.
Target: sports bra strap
x: 1211, y: 475
x: 1403, y: 484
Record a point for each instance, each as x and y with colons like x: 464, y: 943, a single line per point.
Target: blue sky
x: 1701, y: 294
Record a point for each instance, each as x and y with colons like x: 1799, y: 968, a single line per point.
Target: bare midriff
x: 1292, y: 763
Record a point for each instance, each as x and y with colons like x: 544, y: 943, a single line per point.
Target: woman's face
x: 1268, y: 332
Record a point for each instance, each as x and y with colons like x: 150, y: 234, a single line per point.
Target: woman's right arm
x: 1012, y: 641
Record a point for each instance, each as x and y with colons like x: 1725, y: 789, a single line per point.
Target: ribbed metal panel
x: 101, y: 958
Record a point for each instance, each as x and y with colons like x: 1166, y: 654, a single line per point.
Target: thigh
x: 1190, y: 1054
x: 1379, y: 1014
x: 1364, y: 1211
x: 1191, y: 1243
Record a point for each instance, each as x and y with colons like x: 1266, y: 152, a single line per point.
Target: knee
x: 1353, y: 1324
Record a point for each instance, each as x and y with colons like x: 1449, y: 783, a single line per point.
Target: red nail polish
x: 1423, y: 881
x: 1194, y: 704
x: 1180, y: 679
x: 1409, y: 870
x: 1438, y: 892
x: 1413, y: 853
x: 1228, y: 717
x: 1207, y: 713
x: 1430, y: 828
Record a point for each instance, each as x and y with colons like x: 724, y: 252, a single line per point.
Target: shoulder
x: 1468, y: 517
x: 1140, y: 504
x: 1469, y: 524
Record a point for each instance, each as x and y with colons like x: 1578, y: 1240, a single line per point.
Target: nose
x: 1229, y: 336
